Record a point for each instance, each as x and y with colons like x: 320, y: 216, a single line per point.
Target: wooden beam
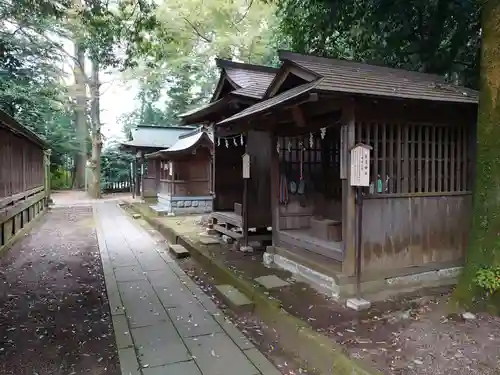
x: 275, y: 181
x: 10, y: 212
x: 17, y: 197
x: 298, y: 116
x: 348, y: 196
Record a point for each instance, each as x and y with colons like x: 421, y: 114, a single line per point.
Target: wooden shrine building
x: 241, y: 207
x: 182, y: 174
x: 146, y: 139
x: 411, y: 228
x: 24, y: 178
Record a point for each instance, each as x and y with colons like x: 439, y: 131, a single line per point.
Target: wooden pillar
x: 209, y: 171
x: 215, y: 204
x: 171, y: 172
x: 348, y: 193
x: 275, y: 176
x: 245, y: 202
x: 46, y: 169
x: 138, y: 163
x: 157, y: 164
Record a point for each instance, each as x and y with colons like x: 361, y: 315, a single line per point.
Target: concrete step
x: 160, y: 210
x: 235, y: 299
x: 326, y: 229
x: 178, y: 251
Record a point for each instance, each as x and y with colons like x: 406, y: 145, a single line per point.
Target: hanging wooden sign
x: 246, y: 165
x: 360, y: 165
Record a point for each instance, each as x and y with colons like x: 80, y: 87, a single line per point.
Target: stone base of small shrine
x: 185, y: 205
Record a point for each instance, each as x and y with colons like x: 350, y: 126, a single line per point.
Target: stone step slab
x: 234, y: 298
x: 178, y: 251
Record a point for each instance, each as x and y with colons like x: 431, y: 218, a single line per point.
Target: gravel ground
x: 413, y: 335
x: 250, y: 324
x: 54, y: 313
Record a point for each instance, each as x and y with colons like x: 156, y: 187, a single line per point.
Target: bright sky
x: 117, y: 96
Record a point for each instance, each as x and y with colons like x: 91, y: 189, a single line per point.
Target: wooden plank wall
x: 192, y: 175
x: 422, y: 154
x: 21, y: 164
x: 22, y: 178
x: 406, y: 232
x: 228, y: 181
x: 259, y: 185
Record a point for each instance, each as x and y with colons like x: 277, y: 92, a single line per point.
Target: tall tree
x: 81, y: 125
x: 97, y: 28
x: 482, y: 271
x: 30, y: 35
x: 179, y: 73
x: 31, y: 84
x: 95, y: 114
x: 433, y: 36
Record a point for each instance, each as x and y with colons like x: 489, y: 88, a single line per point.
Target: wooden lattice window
x: 320, y: 161
x: 416, y: 158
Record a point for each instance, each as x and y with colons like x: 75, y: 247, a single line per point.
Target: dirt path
x: 54, y: 314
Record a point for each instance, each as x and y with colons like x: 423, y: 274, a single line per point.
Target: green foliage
x: 31, y: 87
x: 61, y: 179
x: 433, y: 36
x: 115, y: 165
x: 100, y: 27
x: 179, y: 73
x: 488, y: 279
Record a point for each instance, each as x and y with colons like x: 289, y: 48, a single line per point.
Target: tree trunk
x: 82, y: 130
x: 95, y: 115
x: 484, y: 239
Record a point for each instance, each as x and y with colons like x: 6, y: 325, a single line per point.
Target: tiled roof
x: 256, y: 90
x: 155, y: 136
x: 250, y: 81
x: 184, y: 143
x: 254, y: 77
x: 205, y: 112
x: 275, y: 100
x: 357, y: 78
x: 245, y: 78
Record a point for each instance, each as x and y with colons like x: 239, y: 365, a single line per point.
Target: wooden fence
x: 23, y: 178
x: 21, y: 164
x: 116, y: 187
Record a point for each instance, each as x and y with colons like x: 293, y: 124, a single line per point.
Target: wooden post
x: 157, y: 164
x: 245, y: 202
x: 172, y: 176
x: 275, y: 176
x: 348, y: 193
x: 214, y: 171
x: 46, y: 165
x: 138, y: 161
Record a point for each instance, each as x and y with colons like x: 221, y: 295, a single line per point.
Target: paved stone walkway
x: 164, y: 324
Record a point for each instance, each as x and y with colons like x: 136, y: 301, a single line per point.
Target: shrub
x: 488, y: 278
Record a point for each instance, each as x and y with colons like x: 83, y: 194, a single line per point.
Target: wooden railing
x: 116, y: 187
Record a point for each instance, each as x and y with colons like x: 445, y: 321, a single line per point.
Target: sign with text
x: 360, y: 165
x: 246, y: 165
